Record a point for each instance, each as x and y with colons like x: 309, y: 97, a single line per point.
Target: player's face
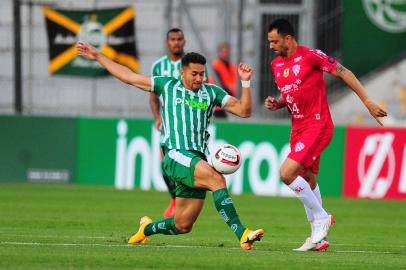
x: 278, y: 43
x: 192, y: 76
x: 175, y: 43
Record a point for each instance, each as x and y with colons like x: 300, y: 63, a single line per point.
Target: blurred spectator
x: 226, y: 72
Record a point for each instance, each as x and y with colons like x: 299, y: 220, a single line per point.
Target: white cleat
x: 309, y: 246
x: 320, y: 228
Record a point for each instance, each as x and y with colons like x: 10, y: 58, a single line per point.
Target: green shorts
x: 179, y: 165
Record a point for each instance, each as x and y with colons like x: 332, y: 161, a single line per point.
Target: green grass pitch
x: 76, y: 227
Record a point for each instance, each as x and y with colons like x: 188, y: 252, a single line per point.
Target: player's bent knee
x: 287, y: 177
x: 184, y: 228
x: 217, y: 181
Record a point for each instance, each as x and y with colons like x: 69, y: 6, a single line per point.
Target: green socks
x: 225, y: 207
x: 163, y: 226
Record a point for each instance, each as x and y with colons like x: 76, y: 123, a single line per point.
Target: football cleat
x: 309, y: 246
x: 322, y: 245
x: 139, y: 237
x: 249, y: 237
x: 320, y: 228
x: 170, y: 211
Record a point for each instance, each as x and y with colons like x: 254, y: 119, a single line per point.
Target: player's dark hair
x: 282, y: 26
x: 194, y: 58
x: 173, y: 30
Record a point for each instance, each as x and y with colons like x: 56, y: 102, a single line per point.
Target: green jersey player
x: 187, y: 108
x: 168, y: 66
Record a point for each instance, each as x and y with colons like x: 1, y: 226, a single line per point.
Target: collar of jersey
x: 189, y: 90
x: 173, y: 62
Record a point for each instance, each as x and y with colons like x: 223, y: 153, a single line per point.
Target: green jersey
x: 164, y: 66
x: 186, y: 114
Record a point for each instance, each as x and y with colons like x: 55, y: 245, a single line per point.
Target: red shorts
x: 307, y: 145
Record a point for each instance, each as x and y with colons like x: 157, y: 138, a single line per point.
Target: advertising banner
x: 37, y: 149
x: 109, y: 30
x: 125, y: 153
x: 367, y: 24
x: 375, y: 163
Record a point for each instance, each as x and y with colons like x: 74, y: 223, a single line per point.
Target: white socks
x: 308, y: 197
x: 309, y: 213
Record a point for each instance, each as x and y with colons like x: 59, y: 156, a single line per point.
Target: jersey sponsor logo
x: 389, y: 16
x: 227, y: 201
x: 299, y: 147
x: 297, y: 59
x: 280, y: 64
x: 291, y: 87
x: 193, y: 103
x: 375, y: 178
x: 296, y: 69
x: 286, y: 73
x: 298, y: 116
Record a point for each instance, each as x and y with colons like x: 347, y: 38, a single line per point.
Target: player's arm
x: 154, y: 103
x: 242, y: 107
x: 121, y: 72
x: 274, y: 104
x: 349, y: 78
x: 155, y: 109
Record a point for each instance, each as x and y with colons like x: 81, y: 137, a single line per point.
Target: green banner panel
x: 125, y: 153
x: 373, y: 33
x: 37, y: 149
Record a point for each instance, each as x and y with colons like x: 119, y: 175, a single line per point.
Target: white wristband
x: 245, y: 84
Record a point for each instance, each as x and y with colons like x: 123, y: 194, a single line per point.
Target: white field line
x: 116, y: 237
x: 4, y: 243
x: 59, y: 236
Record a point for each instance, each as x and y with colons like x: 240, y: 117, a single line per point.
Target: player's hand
x: 375, y: 111
x: 271, y: 103
x: 87, y: 50
x: 158, y: 124
x: 245, y: 71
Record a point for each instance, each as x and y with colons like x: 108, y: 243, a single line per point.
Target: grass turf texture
x: 76, y: 227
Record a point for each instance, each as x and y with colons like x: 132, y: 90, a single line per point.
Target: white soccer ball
x: 226, y: 159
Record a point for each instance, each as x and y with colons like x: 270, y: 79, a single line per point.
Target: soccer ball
x: 226, y: 159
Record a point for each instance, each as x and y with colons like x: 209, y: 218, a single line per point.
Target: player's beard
x: 178, y: 53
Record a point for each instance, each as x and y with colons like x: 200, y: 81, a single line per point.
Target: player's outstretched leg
x: 225, y: 207
x: 147, y: 228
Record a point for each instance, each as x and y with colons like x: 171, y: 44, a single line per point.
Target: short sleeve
x: 322, y: 61
x: 158, y: 83
x: 221, y: 96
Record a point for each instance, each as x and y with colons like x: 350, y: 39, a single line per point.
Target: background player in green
x: 169, y: 66
x: 188, y: 105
